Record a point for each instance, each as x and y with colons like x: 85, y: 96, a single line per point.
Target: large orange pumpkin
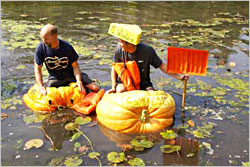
x: 136, y: 111
x: 56, y: 98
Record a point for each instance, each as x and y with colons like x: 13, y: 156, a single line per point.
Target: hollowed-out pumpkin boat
x: 56, y: 98
x: 136, y: 111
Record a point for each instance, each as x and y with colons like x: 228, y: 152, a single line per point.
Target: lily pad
x: 36, y: 143
x: 116, y: 157
x: 70, y: 126
x: 198, y: 134
x: 73, y: 162
x: 168, y: 134
x: 93, y: 155
x: 245, y: 163
x: 140, y: 142
x: 170, y: 149
x: 77, y: 145
x: 136, y: 162
x: 34, y: 118
x: 82, y: 121
x: 55, y: 161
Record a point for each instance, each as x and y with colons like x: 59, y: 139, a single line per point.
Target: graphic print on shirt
x: 57, y: 63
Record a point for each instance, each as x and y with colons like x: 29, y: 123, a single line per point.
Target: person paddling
x: 60, y: 59
x: 129, y: 49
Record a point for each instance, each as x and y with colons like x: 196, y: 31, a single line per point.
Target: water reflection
x: 188, y: 155
x: 54, y: 130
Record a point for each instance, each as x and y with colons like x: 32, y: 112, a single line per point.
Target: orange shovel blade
x: 187, y: 61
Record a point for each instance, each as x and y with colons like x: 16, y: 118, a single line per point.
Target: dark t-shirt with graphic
x: 144, y: 56
x: 58, y: 61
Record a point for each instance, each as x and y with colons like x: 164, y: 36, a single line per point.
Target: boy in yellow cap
x: 130, y: 49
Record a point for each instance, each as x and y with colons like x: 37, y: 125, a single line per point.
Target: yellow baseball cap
x: 127, y: 32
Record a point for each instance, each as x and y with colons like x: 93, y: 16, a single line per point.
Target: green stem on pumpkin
x: 144, y: 117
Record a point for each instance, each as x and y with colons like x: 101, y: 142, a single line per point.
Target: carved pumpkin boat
x: 57, y: 98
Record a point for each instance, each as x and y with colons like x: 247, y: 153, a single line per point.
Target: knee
x: 93, y: 87
x: 120, y: 88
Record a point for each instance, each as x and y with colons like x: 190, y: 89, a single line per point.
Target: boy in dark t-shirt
x: 143, y: 54
x: 60, y: 59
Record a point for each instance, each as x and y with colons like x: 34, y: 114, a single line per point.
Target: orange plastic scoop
x: 187, y: 61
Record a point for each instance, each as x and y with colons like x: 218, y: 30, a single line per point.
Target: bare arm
x: 113, y: 78
x: 163, y: 68
x: 77, y: 74
x: 113, y: 81
x: 39, y: 78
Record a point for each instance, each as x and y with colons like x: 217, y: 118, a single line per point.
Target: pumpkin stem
x: 144, y: 117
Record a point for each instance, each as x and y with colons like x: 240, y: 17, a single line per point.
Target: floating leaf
x: 207, y: 145
x: 5, y: 106
x: 20, y: 67
x: 168, y: 134
x: 105, y: 61
x: 169, y: 148
x: 198, y: 134
x: 136, y: 162
x: 75, y: 136
x: 34, y: 118
x: 183, y: 126
x: 116, y: 157
x: 82, y: 121
x: 82, y: 12
x: 37, y: 143
x: 190, y: 154
x: 93, y: 155
x: 77, y: 144
x: 70, y: 126
x: 73, y: 162
x: 140, y: 142
x: 55, y: 161
x: 19, y: 143
x: 245, y: 163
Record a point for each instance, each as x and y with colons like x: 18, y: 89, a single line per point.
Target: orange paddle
x: 187, y: 61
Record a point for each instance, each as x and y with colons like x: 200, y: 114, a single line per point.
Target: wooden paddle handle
x: 184, y: 93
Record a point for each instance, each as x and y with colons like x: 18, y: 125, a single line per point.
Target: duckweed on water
x: 11, y: 102
x: 198, y: 32
x: 21, y: 34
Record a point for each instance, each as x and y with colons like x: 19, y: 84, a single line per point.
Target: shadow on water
x: 218, y: 108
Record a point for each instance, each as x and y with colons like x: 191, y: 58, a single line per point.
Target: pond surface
x: 218, y: 104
